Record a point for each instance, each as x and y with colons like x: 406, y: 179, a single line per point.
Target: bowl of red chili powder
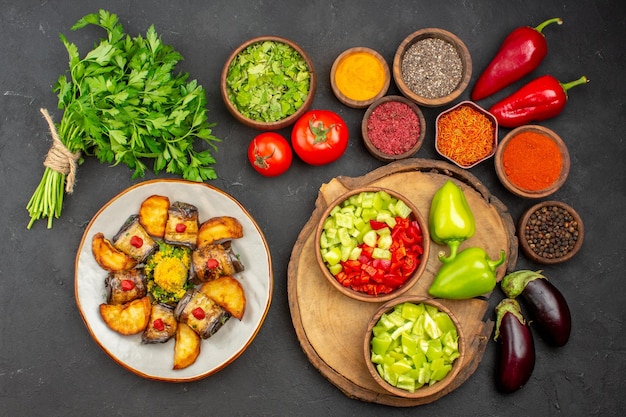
x: 393, y: 128
x: 532, y: 161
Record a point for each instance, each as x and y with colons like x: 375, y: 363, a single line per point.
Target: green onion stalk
x: 59, y: 175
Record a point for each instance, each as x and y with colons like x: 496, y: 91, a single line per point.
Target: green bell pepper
x: 469, y: 274
x: 451, y: 220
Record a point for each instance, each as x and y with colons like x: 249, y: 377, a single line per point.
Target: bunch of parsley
x: 123, y: 103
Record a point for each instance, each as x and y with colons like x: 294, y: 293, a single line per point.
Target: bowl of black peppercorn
x: 550, y: 232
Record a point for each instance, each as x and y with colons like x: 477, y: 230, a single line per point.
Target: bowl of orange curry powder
x: 466, y: 134
x: 532, y: 161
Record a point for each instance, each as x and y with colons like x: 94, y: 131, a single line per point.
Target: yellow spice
x: 360, y: 76
x: 170, y: 274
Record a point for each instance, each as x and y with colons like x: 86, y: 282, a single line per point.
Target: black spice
x: 432, y: 68
x: 551, y: 232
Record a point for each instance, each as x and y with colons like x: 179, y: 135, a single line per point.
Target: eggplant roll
x: 162, y: 325
x: 213, y: 261
x: 200, y: 313
x: 125, y: 286
x: 182, y: 225
x: 133, y: 240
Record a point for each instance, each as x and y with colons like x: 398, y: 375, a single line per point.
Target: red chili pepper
x: 521, y: 53
x: 127, y: 285
x: 136, y: 241
x: 198, y: 313
x: 158, y: 325
x: 181, y: 227
x: 540, y: 99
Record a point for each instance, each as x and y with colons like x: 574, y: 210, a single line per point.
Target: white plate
x: 155, y: 361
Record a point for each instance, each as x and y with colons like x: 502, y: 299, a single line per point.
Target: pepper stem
x: 454, y: 248
x: 581, y: 80
x: 494, y: 264
x: 548, y: 22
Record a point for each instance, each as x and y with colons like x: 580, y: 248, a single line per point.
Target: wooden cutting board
x: 331, y: 327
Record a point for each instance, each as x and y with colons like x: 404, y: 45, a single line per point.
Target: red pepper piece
x: 136, y: 241
x: 376, y: 225
x: 198, y: 313
x: 181, y: 227
x: 212, y: 263
x: 541, y: 99
x: 127, y: 285
x: 158, y: 325
x: 521, y: 53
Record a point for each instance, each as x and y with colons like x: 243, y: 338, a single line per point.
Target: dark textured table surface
x: 50, y: 366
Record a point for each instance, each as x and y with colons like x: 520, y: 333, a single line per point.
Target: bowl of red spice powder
x: 466, y: 134
x: 532, y: 161
x: 393, y: 128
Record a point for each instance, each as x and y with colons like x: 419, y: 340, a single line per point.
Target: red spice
x: 532, y: 161
x: 465, y: 135
x: 393, y: 127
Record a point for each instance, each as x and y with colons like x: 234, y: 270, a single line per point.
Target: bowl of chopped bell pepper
x: 268, y: 82
x: 372, y: 244
x: 414, y: 347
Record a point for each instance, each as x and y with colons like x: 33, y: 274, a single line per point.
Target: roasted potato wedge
x: 187, y: 346
x: 129, y: 318
x: 153, y: 214
x: 219, y: 228
x: 108, y: 257
x: 228, y: 293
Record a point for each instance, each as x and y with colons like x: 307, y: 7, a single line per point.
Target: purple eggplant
x: 516, y: 349
x: 547, y: 307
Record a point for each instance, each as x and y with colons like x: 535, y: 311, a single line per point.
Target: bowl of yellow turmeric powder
x: 532, y: 161
x: 359, y: 76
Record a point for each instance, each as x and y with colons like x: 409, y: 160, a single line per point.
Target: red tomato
x: 319, y: 137
x: 270, y: 154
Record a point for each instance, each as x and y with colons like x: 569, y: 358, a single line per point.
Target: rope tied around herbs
x: 59, y: 158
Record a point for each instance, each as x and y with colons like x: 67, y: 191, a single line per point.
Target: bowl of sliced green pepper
x: 372, y: 244
x: 414, y: 347
x: 268, y: 82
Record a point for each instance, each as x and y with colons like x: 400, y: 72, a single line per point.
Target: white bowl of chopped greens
x: 414, y: 347
x: 268, y: 82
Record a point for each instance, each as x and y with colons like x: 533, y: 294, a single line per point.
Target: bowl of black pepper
x: 550, y: 232
x: 432, y: 67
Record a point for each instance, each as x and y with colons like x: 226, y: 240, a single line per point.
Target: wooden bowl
x: 433, y: 100
x: 268, y: 125
x: 493, y: 137
x: 419, y: 137
x: 362, y: 296
x: 426, y: 390
x: 572, y: 232
x: 371, y: 93
x: 535, y: 193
